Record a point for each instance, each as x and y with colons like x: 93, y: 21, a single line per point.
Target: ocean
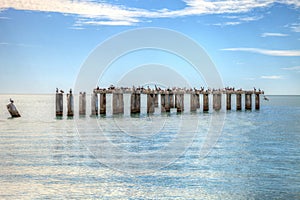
x: 254, y: 155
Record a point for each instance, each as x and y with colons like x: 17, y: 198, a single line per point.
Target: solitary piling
x: 238, y: 101
x: 59, y: 104
x: 118, y: 103
x: 217, y: 101
x: 82, y: 103
x: 94, y: 104
x: 228, y: 101
x: 179, y: 101
x: 205, y: 102
x: 70, y: 105
x: 257, y: 106
x: 150, y: 103
x: 135, y: 105
x: 248, y: 101
x: 102, y: 103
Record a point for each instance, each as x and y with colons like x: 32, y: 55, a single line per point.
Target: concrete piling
x: 205, y: 102
x: 70, y: 105
x: 228, y: 101
x: 197, y: 100
x: 135, y: 105
x: 162, y: 102
x: 150, y: 103
x: 257, y: 106
x: 102, y: 103
x: 193, y: 102
x: 171, y: 100
x: 94, y: 104
x: 59, y: 104
x: 156, y: 100
x: 82, y: 103
x: 217, y: 101
x: 248, y: 101
x: 238, y: 101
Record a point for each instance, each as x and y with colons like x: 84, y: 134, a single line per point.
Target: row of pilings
x: 168, y: 99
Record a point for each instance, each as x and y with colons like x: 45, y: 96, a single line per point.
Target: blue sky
x: 43, y: 44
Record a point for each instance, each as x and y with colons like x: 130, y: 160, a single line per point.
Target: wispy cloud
x: 274, y: 35
x: 17, y: 44
x: 275, y: 77
x: 296, y: 68
x: 102, y: 13
x: 266, y: 51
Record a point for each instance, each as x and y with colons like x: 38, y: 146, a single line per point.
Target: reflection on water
x: 256, y: 157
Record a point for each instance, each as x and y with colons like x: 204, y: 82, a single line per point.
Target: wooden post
x: 197, y: 101
x: 82, y: 103
x: 217, y: 101
x: 248, y: 101
x: 205, y: 102
x: 94, y: 104
x: 156, y: 100
x: 171, y: 100
x: 103, y: 103
x: 179, y: 100
x: 238, y: 101
x: 135, y: 105
x: 150, y: 103
x: 193, y: 103
x: 59, y: 104
x: 228, y: 101
x: 162, y: 102
x: 118, y: 104
x: 70, y: 105
x: 257, y: 102
x: 167, y: 102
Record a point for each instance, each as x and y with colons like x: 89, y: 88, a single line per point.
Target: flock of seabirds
x: 14, y: 112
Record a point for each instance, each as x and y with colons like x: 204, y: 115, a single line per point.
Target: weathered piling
x: 193, y: 102
x: 205, y: 102
x: 197, y: 100
x: 248, y: 100
x: 217, y: 101
x: 171, y: 100
x: 228, y: 101
x: 162, y: 102
x: 94, y: 104
x: 257, y: 106
x: 238, y: 101
x: 70, y: 105
x: 102, y: 103
x: 59, y: 104
x: 12, y: 109
x: 82, y: 103
x: 167, y: 102
x: 135, y: 105
x: 156, y: 100
x: 118, y: 103
x: 150, y: 103
x: 179, y: 101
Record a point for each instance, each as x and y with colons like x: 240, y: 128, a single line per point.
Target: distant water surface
x: 256, y: 157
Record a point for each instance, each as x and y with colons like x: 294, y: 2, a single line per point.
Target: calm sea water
x: 257, y: 155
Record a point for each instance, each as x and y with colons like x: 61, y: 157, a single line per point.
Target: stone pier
x: 238, y: 101
x: 248, y: 100
x: 70, y: 105
x: 59, y: 104
x: 217, y: 101
x: 102, y: 103
x: 94, y: 104
x: 135, y: 103
x: 82, y: 103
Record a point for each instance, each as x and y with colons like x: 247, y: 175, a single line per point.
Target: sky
x: 252, y: 43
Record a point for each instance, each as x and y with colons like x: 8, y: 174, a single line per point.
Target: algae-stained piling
x: 59, y: 104
x: 82, y: 103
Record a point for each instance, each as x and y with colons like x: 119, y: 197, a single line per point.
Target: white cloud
x: 272, y: 77
x: 296, y: 68
x: 101, y: 13
x: 266, y: 51
x: 295, y: 27
x: 273, y: 35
